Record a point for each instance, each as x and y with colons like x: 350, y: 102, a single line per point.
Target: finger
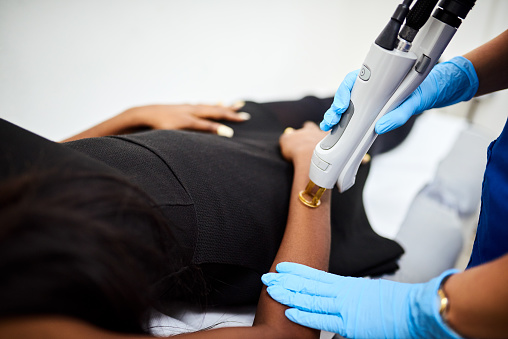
x: 220, y: 113
x: 304, y: 302
x: 289, y: 130
x: 325, y: 126
x: 325, y: 322
x: 399, y: 116
x: 238, y: 105
x: 310, y: 124
x: 306, y: 272
x: 267, y: 278
x: 343, y: 94
x: 244, y: 115
x: 225, y: 131
x: 330, y: 119
x: 299, y: 284
x: 212, y: 127
x: 340, y: 102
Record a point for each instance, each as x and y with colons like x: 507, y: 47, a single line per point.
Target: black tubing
x: 417, y: 17
x: 459, y: 8
x: 452, y: 11
x: 420, y: 13
x: 387, y: 39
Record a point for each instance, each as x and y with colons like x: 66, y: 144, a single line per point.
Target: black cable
x: 417, y: 17
x: 387, y: 39
x: 452, y: 11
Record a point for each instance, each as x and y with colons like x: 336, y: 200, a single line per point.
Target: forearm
x: 490, y: 62
x: 478, y: 300
x: 116, y: 125
x: 307, y: 236
x: 307, y: 241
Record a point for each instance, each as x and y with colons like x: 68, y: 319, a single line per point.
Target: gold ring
x: 366, y: 159
x: 289, y: 130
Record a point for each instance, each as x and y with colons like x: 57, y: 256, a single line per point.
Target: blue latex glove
x: 448, y: 83
x: 340, y: 102
x: 358, y: 307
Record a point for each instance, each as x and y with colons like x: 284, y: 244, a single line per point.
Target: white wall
x: 68, y: 64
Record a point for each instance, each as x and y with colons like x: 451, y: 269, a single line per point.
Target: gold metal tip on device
x: 310, y: 192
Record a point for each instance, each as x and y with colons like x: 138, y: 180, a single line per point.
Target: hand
x: 448, y: 83
x: 358, y: 307
x: 300, y: 143
x: 189, y: 117
x: 192, y: 117
x: 340, y: 102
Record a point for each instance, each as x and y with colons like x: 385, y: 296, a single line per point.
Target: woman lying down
x: 98, y: 230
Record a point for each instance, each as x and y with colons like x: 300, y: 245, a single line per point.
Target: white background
x: 67, y: 64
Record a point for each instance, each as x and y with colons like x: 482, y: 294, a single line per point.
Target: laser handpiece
x: 391, y: 71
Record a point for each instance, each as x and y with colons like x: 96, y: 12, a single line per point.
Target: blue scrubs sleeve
x: 491, y: 240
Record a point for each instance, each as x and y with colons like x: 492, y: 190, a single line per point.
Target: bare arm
x: 478, y: 300
x: 191, y: 117
x: 490, y: 62
x: 306, y: 240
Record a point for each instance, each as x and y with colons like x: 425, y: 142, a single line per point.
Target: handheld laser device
x: 395, y: 66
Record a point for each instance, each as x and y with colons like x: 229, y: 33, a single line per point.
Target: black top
x: 227, y: 199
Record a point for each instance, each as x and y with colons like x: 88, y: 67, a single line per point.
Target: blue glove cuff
x: 467, y: 67
x: 456, y: 83
x: 440, y: 322
x: 430, y: 321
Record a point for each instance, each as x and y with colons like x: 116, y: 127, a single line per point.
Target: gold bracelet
x: 444, y: 303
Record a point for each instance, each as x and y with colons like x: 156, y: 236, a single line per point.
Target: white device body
x: 385, y: 80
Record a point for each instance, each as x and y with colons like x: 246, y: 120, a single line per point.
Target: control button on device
x: 422, y: 63
x: 322, y: 165
x: 364, y: 73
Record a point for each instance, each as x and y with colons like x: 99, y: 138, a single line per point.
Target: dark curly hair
x: 85, y: 245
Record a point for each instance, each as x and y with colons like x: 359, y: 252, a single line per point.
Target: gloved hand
x: 448, y: 83
x: 358, y: 307
x: 340, y: 102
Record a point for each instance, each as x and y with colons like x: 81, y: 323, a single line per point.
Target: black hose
x: 452, y: 11
x: 459, y: 8
x: 420, y: 13
x: 417, y: 17
x: 387, y: 39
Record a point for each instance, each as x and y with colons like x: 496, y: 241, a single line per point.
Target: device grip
x: 338, y: 130
x: 381, y: 74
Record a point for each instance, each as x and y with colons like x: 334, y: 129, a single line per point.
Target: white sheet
x: 190, y: 319
x: 185, y: 318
